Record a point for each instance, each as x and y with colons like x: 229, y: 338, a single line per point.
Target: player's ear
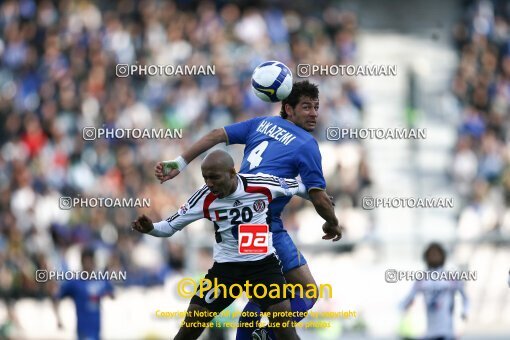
x: 233, y: 172
x: 288, y: 109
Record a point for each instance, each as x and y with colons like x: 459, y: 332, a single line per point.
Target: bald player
x: 228, y: 200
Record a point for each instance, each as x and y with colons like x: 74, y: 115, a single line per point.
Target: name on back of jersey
x: 276, y: 132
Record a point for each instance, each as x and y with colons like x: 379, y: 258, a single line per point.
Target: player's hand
x: 333, y: 232
x: 165, y: 170
x: 142, y: 224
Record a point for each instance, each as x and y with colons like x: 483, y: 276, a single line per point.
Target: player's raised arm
x: 169, y: 169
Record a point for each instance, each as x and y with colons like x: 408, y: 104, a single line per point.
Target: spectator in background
x: 482, y: 87
x: 439, y: 296
x: 87, y: 295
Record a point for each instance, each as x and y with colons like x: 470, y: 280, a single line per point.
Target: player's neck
x: 290, y: 121
x: 234, y: 185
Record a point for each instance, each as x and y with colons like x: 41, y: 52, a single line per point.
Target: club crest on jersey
x: 259, y: 205
x: 183, y: 209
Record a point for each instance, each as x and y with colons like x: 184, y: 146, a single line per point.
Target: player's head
x: 434, y: 255
x: 87, y: 260
x: 302, y: 105
x: 219, y: 173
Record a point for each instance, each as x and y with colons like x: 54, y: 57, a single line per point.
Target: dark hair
x: 299, y: 89
x: 435, y: 246
x: 87, y: 252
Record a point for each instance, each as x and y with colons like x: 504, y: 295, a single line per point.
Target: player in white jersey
x: 229, y: 199
x: 439, y: 296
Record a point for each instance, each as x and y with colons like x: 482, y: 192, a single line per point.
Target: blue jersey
x: 280, y: 148
x: 87, y: 295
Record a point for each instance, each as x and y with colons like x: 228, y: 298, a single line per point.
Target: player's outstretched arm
x: 188, y: 213
x: 169, y: 169
x: 144, y: 225
x: 324, y: 208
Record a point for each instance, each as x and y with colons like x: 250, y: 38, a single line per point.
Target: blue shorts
x: 289, y: 255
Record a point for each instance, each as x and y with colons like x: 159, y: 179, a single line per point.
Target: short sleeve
x: 410, y: 297
x: 237, y: 133
x: 310, y: 166
x: 278, y: 187
x: 65, y: 290
x: 287, y: 187
x: 108, y: 288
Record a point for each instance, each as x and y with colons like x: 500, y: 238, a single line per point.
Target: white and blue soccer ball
x: 272, y: 81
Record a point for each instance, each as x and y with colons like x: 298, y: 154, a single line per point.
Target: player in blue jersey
x: 87, y: 295
x: 281, y: 146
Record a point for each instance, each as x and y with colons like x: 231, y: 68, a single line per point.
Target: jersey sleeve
x: 107, y: 289
x: 238, y: 132
x: 465, y: 300
x: 189, y: 212
x: 309, y: 162
x: 282, y: 186
x: 65, y: 290
x: 406, y: 303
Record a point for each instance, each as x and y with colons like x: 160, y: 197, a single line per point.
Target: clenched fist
x: 142, y: 224
x: 166, y: 170
x: 332, y: 232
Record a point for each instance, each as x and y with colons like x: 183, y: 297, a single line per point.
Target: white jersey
x: 439, y: 298
x: 248, y: 204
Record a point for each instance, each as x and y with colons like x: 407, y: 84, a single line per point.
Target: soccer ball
x: 272, y: 81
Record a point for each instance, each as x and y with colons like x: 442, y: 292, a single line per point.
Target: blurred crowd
x: 57, y: 76
x: 481, y: 163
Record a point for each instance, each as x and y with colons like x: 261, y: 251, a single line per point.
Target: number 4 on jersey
x: 255, y: 156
